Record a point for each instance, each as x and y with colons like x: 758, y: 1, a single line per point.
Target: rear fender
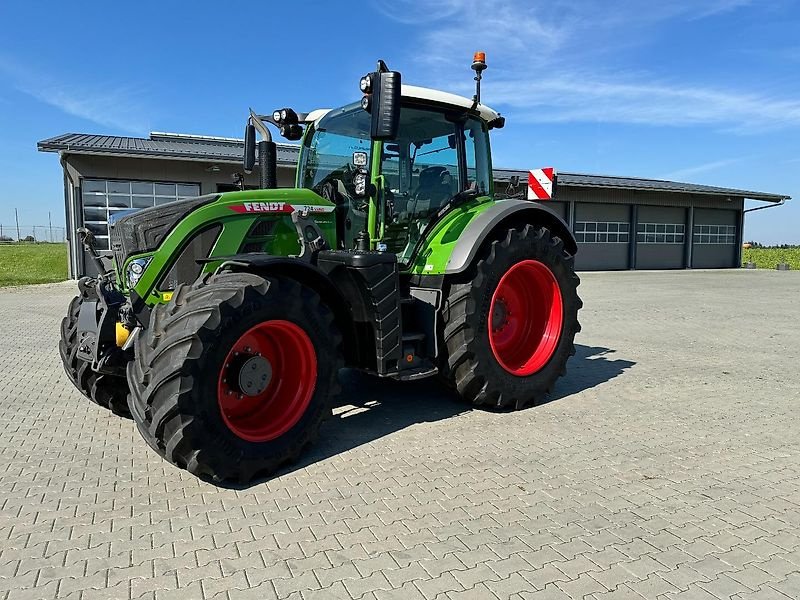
x: 499, y: 215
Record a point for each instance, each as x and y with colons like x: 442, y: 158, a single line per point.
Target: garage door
x: 714, y: 238
x: 103, y: 197
x: 603, y: 235
x: 660, y: 237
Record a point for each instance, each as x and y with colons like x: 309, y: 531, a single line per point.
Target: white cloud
x: 688, y: 172
x: 108, y: 104
x: 413, y: 12
x: 623, y: 99
x: 552, y: 61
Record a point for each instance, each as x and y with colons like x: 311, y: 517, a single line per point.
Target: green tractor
x: 225, y: 320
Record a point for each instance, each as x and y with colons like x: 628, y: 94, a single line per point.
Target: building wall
x: 80, y: 167
x: 147, y: 169
x: 616, y: 228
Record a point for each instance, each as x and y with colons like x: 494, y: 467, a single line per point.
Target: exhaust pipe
x: 268, y: 164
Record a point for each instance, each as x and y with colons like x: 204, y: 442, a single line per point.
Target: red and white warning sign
x: 540, y: 183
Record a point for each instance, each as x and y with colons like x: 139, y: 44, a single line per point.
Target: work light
x: 365, y: 84
x: 285, y: 116
x: 360, y: 184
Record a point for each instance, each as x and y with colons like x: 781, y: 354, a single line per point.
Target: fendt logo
x: 262, y: 207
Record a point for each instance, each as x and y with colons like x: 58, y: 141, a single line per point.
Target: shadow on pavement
x: 371, y: 408
x: 590, y: 367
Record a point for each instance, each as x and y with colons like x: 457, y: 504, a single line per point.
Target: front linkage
x: 93, y: 334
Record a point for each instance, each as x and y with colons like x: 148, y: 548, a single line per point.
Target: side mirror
x: 382, y: 101
x: 249, y: 159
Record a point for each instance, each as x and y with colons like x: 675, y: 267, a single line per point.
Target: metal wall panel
x: 611, y: 196
x: 660, y: 237
x: 560, y: 208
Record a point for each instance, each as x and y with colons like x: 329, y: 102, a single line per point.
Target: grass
x: 22, y: 264
x: 767, y: 258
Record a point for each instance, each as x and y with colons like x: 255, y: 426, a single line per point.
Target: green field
x: 21, y: 264
x: 767, y: 258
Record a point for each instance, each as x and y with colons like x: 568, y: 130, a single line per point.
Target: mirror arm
x: 257, y: 121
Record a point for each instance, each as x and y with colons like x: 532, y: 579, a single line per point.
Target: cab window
x: 421, y: 173
x: 477, y: 154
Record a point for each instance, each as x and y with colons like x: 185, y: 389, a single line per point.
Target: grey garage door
x: 660, y: 237
x: 603, y: 234
x: 715, y: 238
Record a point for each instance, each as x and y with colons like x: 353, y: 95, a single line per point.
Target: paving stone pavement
x: 667, y: 465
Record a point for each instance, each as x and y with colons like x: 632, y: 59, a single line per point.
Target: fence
x: 32, y: 233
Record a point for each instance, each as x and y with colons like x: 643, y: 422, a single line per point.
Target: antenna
x: 479, y: 66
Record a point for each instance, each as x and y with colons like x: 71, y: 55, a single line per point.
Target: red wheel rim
x: 279, y: 400
x: 526, y: 316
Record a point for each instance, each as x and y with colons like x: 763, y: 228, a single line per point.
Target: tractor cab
x: 392, y: 163
x: 438, y: 155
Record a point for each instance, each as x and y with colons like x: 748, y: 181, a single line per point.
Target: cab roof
x: 426, y: 95
x: 439, y: 97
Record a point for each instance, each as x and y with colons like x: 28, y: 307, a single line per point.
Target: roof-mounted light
x: 365, y: 84
x: 479, y: 66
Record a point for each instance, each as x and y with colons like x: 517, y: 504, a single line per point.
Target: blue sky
x: 691, y: 90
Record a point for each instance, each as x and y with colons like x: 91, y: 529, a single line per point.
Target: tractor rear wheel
x: 104, y: 390
x: 234, y: 376
x: 509, y: 325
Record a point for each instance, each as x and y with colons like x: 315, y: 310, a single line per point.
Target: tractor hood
x: 143, y: 230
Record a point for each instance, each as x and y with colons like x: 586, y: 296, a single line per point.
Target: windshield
x: 328, y: 147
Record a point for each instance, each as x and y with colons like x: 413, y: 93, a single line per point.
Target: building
x: 619, y: 222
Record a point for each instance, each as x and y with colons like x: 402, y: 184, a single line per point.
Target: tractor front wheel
x: 509, y: 324
x: 234, y: 376
x: 104, y: 390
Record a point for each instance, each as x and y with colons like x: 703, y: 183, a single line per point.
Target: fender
x: 305, y: 273
x: 480, y: 227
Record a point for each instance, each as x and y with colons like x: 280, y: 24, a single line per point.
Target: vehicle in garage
x: 226, y: 317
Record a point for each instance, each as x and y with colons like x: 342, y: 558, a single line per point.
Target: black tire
x: 470, y: 365
x: 107, y: 391
x: 176, y: 370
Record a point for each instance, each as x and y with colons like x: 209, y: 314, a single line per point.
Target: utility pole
x: 50, y: 223
x: 16, y: 219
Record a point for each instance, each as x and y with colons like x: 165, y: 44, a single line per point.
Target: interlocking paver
x: 667, y: 466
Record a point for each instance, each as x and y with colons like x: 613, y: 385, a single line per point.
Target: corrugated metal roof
x: 159, y: 145
x: 215, y: 149
x: 646, y: 185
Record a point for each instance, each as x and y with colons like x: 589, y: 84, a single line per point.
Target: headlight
x: 135, y: 270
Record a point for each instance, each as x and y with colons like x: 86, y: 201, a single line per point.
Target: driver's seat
x: 434, y: 188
